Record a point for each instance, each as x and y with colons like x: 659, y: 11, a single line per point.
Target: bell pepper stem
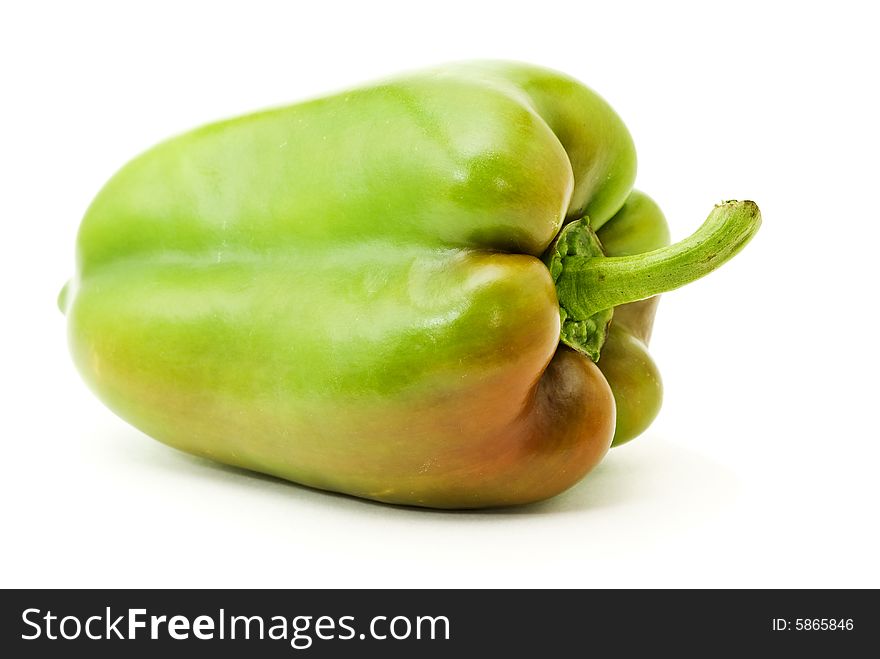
x: 588, y: 285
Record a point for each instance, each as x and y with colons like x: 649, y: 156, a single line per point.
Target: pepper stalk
x: 589, y: 284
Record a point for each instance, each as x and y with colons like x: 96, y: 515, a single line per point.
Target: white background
x: 762, y: 469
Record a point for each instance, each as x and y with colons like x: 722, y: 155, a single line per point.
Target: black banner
x: 429, y: 623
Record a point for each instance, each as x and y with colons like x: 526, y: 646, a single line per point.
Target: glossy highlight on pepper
x: 435, y: 290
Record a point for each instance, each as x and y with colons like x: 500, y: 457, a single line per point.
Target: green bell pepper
x: 399, y: 292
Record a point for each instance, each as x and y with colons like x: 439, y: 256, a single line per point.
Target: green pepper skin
x: 638, y: 227
x: 347, y: 292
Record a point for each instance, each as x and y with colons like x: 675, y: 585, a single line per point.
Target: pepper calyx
x: 582, y: 332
